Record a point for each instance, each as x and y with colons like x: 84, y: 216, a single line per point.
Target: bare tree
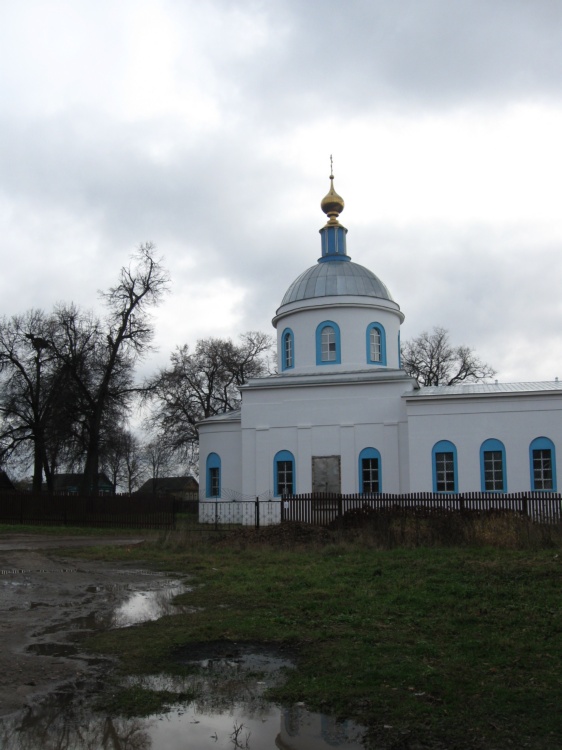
x: 158, y: 460
x: 433, y: 360
x: 133, y: 461
x: 100, y: 355
x: 32, y: 380
x: 122, y: 459
x: 203, y: 383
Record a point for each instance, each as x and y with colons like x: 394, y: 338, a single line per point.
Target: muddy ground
x: 45, y: 600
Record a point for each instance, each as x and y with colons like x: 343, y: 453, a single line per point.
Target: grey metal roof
x: 465, y: 389
x: 227, y: 416
x: 336, y: 277
x: 289, y: 380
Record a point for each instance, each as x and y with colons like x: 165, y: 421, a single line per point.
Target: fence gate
x: 326, y: 474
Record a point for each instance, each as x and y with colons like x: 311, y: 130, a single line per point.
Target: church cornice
x: 332, y: 379
x: 351, y: 301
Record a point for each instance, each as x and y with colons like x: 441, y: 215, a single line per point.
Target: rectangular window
x: 493, y: 471
x: 370, y: 475
x: 284, y: 478
x: 542, y: 469
x: 375, y: 345
x: 445, y: 472
x: 288, y: 350
x: 214, y: 482
x: 328, y: 344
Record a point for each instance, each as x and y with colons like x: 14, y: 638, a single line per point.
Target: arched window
x: 284, y: 473
x: 492, y: 466
x: 370, y: 478
x: 213, y: 476
x: 328, y: 350
x: 376, y: 344
x: 287, y: 349
x: 444, y: 462
x: 542, y: 457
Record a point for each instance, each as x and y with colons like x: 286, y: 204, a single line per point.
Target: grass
x: 452, y: 647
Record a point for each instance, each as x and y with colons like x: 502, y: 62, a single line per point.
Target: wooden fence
x: 322, y: 509
x: 104, y: 511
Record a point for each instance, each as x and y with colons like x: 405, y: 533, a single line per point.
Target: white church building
x: 342, y: 416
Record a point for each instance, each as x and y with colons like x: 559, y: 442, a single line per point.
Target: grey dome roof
x: 336, y: 278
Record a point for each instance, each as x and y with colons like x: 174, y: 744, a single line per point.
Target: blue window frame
x: 284, y: 473
x: 376, y: 344
x: 287, y: 349
x: 444, y: 463
x: 542, y: 460
x: 492, y: 466
x: 213, y: 476
x: 328, y: 345
x: 370, y: 474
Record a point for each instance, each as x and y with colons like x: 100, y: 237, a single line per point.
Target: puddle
x: 223, y: 657
x: 230, y: 678
x: 142, y: 606
x: 231, y: 712
x: 68, y: 723
x: 131, y: 607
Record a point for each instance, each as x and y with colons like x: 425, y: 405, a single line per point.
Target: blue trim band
x: 213, y: 462
x: 492, y: 445
x: 444, y: 446
x: 544, y: 444
x: 369, y: 453
x: 382, y: 334
x: 337, y: 342
x: 282, y: 456
x: 284, y: 365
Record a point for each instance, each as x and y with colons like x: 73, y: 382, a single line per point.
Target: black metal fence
x: 104, y: 511
x: 322, y: 509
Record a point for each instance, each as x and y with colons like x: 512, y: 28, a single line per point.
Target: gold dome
x: 332, y: 204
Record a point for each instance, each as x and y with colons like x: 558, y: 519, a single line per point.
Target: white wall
x: 352, y: 315
x: 223, y: 438
x: 515, y: 420
x: 324, y: 420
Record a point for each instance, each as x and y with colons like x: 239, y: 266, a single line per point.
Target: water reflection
x: 230, y: 679
x: 64, y: 723
x: 67, y: 724
x: 145, y: 605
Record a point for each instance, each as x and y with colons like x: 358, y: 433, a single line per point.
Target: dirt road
x: 45, y: 601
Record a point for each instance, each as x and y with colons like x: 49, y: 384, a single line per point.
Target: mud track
x: 45, y: 601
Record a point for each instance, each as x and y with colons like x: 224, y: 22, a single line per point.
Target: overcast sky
x: 206, y: 127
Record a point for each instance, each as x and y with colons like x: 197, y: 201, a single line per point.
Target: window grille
x: 370, y: 475
x: 493, y: 471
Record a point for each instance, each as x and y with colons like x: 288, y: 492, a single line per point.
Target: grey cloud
x: 335, y: 57
x: 216, y: 199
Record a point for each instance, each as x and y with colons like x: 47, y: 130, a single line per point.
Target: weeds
x: 458, y: 646
x: 413, y: 623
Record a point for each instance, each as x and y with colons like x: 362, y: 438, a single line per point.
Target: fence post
x: 524, y: 504
x: 257, y: 522
x: 216, y: 515
x: 340, y: 504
